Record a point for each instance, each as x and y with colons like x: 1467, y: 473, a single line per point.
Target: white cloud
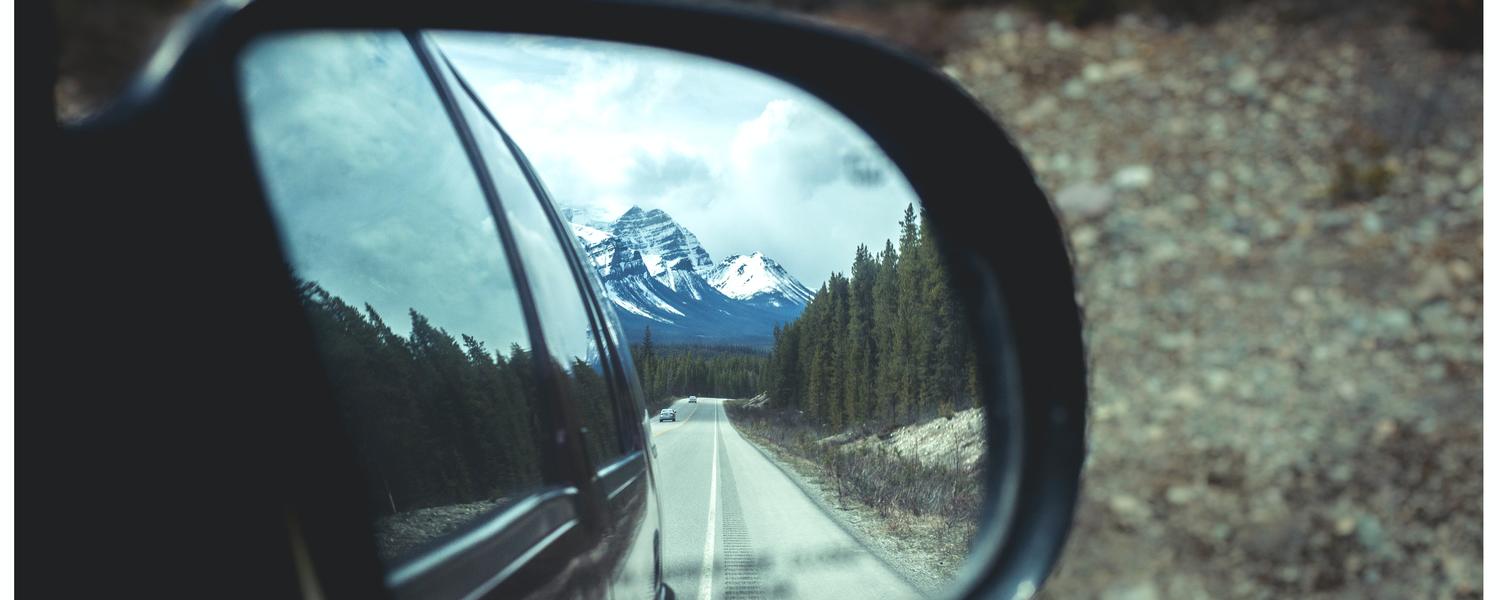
x: 747, y: 162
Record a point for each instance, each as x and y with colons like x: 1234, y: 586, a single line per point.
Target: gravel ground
x: 1276, y: 221
x: 397, y: 536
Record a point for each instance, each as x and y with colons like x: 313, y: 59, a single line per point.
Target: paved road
x: 735, y: 527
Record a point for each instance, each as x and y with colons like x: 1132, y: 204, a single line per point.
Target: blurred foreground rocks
x: 1277, y: 226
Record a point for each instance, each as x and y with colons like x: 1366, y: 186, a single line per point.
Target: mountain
x: 759, y: 280
x: 657, y: 274
x: 660, y: 240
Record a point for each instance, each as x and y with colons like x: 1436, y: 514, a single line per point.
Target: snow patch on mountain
x: 754, y: 276
x: 589, y: 235
x: 661, y: 241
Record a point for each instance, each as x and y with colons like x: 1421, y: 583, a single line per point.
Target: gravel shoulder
x: 921, y: 549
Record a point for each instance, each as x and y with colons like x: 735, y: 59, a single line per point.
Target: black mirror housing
x: 160, y: 224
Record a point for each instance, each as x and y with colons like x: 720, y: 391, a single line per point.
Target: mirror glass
x: 758, y: 272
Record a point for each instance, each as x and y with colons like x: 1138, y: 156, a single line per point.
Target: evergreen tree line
x: 668, y: 372
x: 438, y: 421
x: 885, y: 346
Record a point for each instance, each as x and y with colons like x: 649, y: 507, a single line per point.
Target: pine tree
x: 859, y: 364
x: 912, y: 333
x: 888, y: 339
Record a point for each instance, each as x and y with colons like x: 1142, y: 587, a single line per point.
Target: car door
x: 489, y: 431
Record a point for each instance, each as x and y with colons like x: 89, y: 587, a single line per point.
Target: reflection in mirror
x: 403, y: 278
x: 479, y: 224
x: 781, y: 291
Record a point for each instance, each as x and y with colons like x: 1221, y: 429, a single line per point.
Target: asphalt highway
x: 734, y: 526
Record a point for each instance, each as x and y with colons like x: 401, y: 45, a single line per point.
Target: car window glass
x: 565, y: 320
x: 401, y: 272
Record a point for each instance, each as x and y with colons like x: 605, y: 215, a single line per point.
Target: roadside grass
x: 930, y: 510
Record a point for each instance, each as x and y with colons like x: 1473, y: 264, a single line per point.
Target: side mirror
x: 601, y: 150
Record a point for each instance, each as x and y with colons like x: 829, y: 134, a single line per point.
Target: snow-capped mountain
x: 657, y: 274
x: 758, y: 279
x: 661, y: 241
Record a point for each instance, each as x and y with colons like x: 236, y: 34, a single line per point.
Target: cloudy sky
x: 376, y: 200
x: 747, y: 162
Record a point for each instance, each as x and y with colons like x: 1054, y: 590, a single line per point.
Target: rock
x: 1433, y: 284
x: 1245, y: 81
x: 1436, y: 187
x: 1215, y: 97
x: 1059, y: 37
x: 1274, y: 542
x: 1217, y: 379
x: 1344, y: 525
x: 1144, y: 590
x: 1304, y: 296
x: 1280, y: 103
x: 1043, y: 107
x: 1347, y: 390
x: 1424, y: 352
x: 1186, y: 395
x: 1125, y: 68
x: 1187, y: 587
x: 1129, y: 510
x: 1441, y: 158
x: 1084, y: 200
x: 1218, y: 180
x: 1061, y: 162
x: 1394, y: 319
x: 1468, y: 178
x: 1132, y: 177
x: 1371, y: 535
x: 1094, y: 72
x: 1087, y: 167
x: 1174, y: 340
x: 1181, y: 494
x: 1003, y: 21
x: 1075, y: 89
x: 1461, y: 270
x: 1084, y: 237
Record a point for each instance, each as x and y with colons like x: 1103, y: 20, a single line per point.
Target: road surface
x: 734, y: 526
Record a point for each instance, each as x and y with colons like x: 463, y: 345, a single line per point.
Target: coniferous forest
x: 669, y: 372
x: 885, y: 346
x: 439, y: 421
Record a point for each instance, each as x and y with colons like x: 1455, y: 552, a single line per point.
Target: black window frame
x: 498, y: 552
x: 621, y: 470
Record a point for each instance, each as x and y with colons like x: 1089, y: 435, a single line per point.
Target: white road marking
x: 706, y: 581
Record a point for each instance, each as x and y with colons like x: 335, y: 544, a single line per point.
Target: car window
x: 567, y: 327
x: 403, y: 277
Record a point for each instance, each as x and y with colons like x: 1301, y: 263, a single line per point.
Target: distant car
x: 667, y: 414
x: 692, y: 399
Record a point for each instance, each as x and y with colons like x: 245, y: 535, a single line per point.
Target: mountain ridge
x: 658, y: 275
